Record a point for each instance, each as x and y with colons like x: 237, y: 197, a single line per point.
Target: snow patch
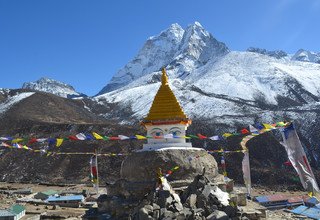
x: 13, y: 100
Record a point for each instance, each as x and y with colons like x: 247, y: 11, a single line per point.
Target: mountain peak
x: 188, y: 48
x: 52, y: 86
x: 306, y: 56
x: 197, y: 23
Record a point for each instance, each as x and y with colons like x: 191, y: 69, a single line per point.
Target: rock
x: 155, y: 206
x: 156, y: 214
x: 178, y: 206
x: 168, y: 215
x: 149, y: 208
x: 140, y: 168
x: 176, y: 197
x: 144, y: 214
x: 163, y: 200
x: 191, y: 201
x: 230, y: 211
x: 201, y: 201
x: 198, y: 210
x: 218, y: 215
x: 186, y: 211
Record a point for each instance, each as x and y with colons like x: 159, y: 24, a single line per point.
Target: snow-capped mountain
x: 221, y: 87
x: 54, y: 87
x: 306, y: 56
x: 183, y: 49
x: 300, y: 55
x: 209, y: 79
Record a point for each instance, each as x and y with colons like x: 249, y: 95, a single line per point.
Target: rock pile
x: 138, y: 174
x: 201, y: 200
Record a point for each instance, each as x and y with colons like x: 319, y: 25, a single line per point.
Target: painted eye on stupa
x: 157, y: 132
x: 175, y: 131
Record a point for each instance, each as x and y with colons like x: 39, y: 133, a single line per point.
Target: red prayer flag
x: 32, y: 140
x: 202, y: 136
x: 244, y: 131
x: 74, y: 138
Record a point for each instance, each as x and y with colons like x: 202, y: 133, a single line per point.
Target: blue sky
x: 84, y: 43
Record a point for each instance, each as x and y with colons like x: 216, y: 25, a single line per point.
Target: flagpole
x: 97, y: 186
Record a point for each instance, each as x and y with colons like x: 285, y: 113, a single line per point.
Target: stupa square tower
x: 166, y: 121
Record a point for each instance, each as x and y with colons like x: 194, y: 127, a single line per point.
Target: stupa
x: 166, y: 123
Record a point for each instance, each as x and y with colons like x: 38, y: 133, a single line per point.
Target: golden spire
x: 164, y: 77
x: 165, y: 107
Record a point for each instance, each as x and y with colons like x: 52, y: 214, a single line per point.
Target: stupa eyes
x: 157, y: 132
x: 175, y: 131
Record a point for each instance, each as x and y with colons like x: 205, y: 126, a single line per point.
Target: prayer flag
x: 201, y: 136
x: 246, y: 171
x: 140, y: 137
x: 268, y: 126
x: 122, y: 137
x: 226, y: 135
x: 258, y: 126
x: 17, y: 140
x: 32, y: 140
x: 244, y: 131
x: 89, y: 137
x: 41, y: 139
x: 214, y: 138
x: 253, y: 130
x: 97, y: 136
x: 81, y: 136
x: 6, y: 138
x: 298, y: 158
x: 74, y: 138
x: 59, y: 142
x: 280, y: 124
x: 94, y: 172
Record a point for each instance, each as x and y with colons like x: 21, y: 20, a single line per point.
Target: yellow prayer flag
x: 25, y: 147
x: 97, y: 136
x: 226, y: 135
x: 186, y: 137
x: 140, y: 137
x: 17, y: 140
x: 59, y: 142
x: 268, y: 126
x: 175, y: 168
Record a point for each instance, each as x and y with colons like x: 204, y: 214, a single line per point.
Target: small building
x: 7, y: 215
x: 15, y: 212
x: 73, y: 201
x: 45, y: 195
x: 18, y: 210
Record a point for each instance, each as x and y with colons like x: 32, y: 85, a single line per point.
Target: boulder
x: 139, y: 169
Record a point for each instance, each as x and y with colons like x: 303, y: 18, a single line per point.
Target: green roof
x: 50, y: 192
x: 17, y: 209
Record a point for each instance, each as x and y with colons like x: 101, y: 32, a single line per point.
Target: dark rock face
x: 140, y: 168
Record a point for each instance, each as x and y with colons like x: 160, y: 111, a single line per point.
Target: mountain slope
x: 27, y: 105
x: 54, y: 87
